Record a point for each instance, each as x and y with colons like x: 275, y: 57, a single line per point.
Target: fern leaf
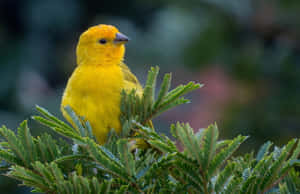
x: 248, y: 184
x: 296, y: 152
x: 233, y: 186
x: 52, y: 118
x: 223, y: 177
x: 28, y: 178
x: 274, y: 168
x: 186, y: 136
x: 76, y: 120
x: 263, y: 150
x: 58, y: 129
x: 14, y: 143
x: 27, y: 141
x: 44, y: 172
x: 9, y: 157
x: 126, y: 157
x: 107, y: 161
x: 165, y: 86
x: 224, y: 154
x: 209, y: 144
x: 161, y: 146
x: 149, y: 92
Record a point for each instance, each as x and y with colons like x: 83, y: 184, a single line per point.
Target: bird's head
x: 101, y: 45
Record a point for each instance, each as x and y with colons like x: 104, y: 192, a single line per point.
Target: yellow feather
x: 130, y: 81
x: 94, y: 89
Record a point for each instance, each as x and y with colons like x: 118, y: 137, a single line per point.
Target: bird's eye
x: 102, y: 41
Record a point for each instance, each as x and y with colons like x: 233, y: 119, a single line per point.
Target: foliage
x: 139, y: 160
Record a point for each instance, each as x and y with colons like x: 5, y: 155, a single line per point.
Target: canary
x: 94, y: 89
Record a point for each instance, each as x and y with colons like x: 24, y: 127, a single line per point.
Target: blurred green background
x: 247, y: 53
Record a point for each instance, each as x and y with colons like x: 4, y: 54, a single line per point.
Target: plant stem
x: 275, y: 183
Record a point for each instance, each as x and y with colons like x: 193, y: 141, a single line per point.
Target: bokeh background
x: 247, y: 53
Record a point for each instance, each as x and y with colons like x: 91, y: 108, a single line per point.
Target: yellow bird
x: 94, y: 89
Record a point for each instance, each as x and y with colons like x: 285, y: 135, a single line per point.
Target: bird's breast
x: 98, y: 80
x: 94, y: 93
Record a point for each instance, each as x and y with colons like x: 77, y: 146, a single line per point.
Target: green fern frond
x: 200, y: 164
x: 225, y: 154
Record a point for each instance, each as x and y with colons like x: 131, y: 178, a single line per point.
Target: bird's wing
x: 131, y: 82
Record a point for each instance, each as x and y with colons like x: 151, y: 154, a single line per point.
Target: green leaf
x: 233, y: 186
x: 186, y: 136
x: 47, y: 148
x: 179, y: 91
x: 165, y: 86
x: 224, y: 176
x: 296, y: 152
x: 292, y: 181
x: 162, y: 146
x: 170, y: 105
x: 44, y: 172
x: 107, y: 161
x: 52, y: 118
x: 28, y: 178
x: 263, y: 150
x: 76, y: 120
x: 14, y: 144
x: 191, y: 175
x: 224, y: 154
x: 126, y: 157
x: 27, y: 141
x: 71, y: 157
x: 149, y: 90
x: 210, y: 137
x: 9, y: 157
x: 149, y: 93
x: 248, y: 184
x: 56, y: 172
x: 274, y: 168
x: 105, y: 187
x: 58, y: 129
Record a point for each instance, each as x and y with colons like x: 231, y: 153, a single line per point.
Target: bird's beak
x: 120, y: 38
